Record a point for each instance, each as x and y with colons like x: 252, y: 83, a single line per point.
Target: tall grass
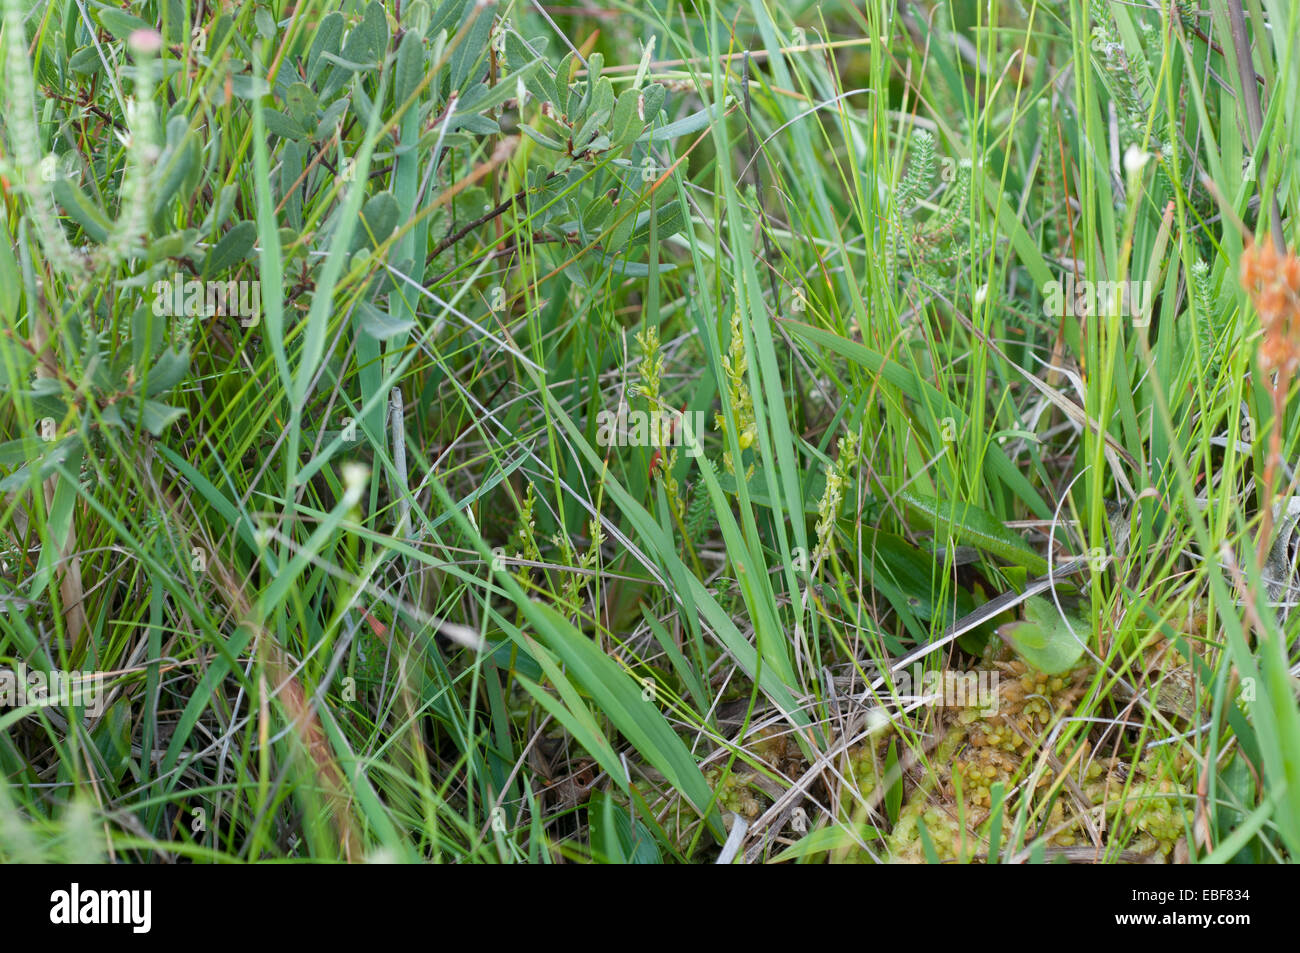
x: 361, y: 573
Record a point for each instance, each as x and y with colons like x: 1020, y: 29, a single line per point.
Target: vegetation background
x: 363, y: 579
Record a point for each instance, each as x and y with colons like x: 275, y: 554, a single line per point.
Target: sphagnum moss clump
x: 735, y: 791
x: 950, y: 790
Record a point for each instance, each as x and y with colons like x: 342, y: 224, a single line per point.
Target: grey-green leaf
x: 233, y: 248
x: 378, y: 219
x: 379, y: 323
x: 81, y: 209
x: 169, y: 371
x: 328, y: 36
x: 120, y: 23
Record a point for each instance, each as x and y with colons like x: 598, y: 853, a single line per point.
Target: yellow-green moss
x: 980, y: 748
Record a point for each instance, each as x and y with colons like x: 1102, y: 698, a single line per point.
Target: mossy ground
x: 964, y: 767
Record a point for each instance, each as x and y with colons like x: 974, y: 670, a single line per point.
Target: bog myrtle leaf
x: 585, y: 139
x: 147, y: 330
x: 248, y: 86
x: 176, y: 26
x: 169, y: 371
x: 16, y: 362
x: 233, y: 248
x: 410, y: 68
x: 470, y: 56
x: 621, y: 232
x: 483, y: 97
x: 520, y: 51
x: 81, y: 209
x: 220, y: 31
x: 221, y: 209
x: 47, y: 398
x: 47, y: 457
x: 595, y: 63
x: 378, y: 219
x: 333, y: 112
x: 477, y: 125
x: 281, y: 125
x: 291, y: 165
x: 625, y: 125
x: 343, y: 69
x: 669, y: 222
x: 175, y: 164
x: 328, y: 37
x: 120, y: 23
x: 565, y: 96
x: 416, y: 17
x: 595, y: 215
x: 86, y: 62
x: 291, y: 243
x: 541, y: 138
x: 175, y: 245
x: 449, y: 15
x: 153, y: 416
x: 16, y: 452
x: 264, y: 22
x: 366, y: 43
x: 1043, y: 638
x: 302, y: 105
x: 652, y: 101
x: 356, y: 56
x: 379, y: 323
x: 602, y: 98
x: 682, y: 127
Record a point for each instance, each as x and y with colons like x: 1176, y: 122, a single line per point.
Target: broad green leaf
x: 1044, y: 640
x: 602, y: 99
x: 86, y: 61
x: 378, y: 219
x: 410, y: 68
x: 16, y: 361
x: 965, y: 524
x: 81, y: 209
x: 330, y: 118
x: 379, y: 324
x: 684, y: 126
x: 541, y: 138
x: 328, y: 37
x: 233, y: 248
x: 154, y: 416
x: 482, y: 98
x: 169, y: 371
x: 470, y: 55
x: 302, y: 105
x: 624, y: 124
x: 367, y: 43
x: 652, y: 100
x: 264, y: 22
x: 175, y: 165
x: 248, y: 86
x: 120, y: 23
